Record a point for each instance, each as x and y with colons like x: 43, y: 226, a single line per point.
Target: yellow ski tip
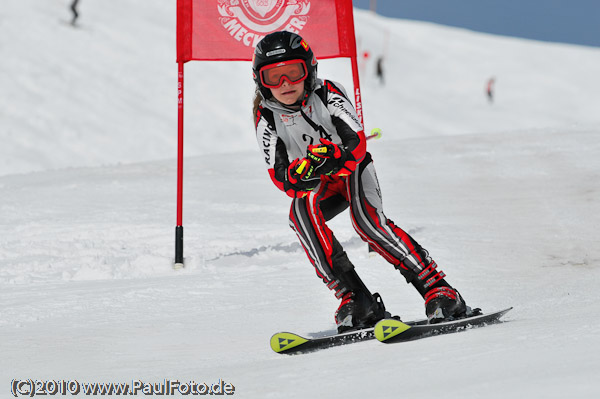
x: 389, y: 328
x: 284, y: 341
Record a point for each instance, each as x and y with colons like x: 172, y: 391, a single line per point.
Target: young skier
x: 315, y: 150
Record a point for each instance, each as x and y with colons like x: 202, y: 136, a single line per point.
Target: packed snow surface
x: 505, y: 195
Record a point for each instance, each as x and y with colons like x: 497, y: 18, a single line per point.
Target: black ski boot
x: 359, y: 310
x: 444, y: 304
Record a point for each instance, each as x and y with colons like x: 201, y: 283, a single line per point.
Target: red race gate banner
x: 230, y: 29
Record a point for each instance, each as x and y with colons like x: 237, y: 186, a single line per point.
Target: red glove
x: 302, y: 177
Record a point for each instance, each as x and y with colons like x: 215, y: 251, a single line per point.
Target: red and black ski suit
x: 283, y: 135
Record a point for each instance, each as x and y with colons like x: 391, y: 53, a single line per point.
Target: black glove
x: 301, y: 175
x: 327, y: 156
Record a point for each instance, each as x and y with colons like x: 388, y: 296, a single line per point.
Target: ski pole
x: 375, y: 134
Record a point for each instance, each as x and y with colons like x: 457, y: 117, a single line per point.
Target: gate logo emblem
x: 248, y: 21
x: 262, y: 7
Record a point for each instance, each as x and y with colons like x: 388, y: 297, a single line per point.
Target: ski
x: 391, y: 330
x: 388, y: 331
x: 290, y: 343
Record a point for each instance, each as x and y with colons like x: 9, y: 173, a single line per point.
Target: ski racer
x: 315, y: 151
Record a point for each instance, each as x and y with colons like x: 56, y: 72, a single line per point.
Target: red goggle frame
x: 292, y: 71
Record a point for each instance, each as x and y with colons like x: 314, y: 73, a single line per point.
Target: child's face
x: 288, y: 93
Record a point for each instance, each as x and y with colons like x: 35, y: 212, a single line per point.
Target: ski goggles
x: 293, y: 71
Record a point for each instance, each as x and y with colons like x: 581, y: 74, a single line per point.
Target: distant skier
x: 490, y: 89
x: 75, y: 13
x: 313, y: 123
x: 379, y: 70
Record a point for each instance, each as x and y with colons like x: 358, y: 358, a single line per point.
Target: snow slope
x: 505, y: 196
